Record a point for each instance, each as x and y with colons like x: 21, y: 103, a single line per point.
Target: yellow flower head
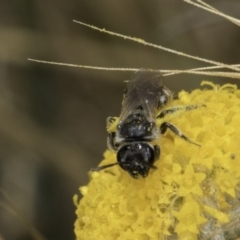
x: 194, y: 192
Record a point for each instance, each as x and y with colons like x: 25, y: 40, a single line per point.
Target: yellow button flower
x: 194, y: 192
x: 189, y: 217
x: 189, y: 181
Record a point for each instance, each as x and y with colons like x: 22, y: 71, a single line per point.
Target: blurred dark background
x: 52, y: 118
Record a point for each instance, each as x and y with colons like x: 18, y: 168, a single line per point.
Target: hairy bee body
x: 135, y: 129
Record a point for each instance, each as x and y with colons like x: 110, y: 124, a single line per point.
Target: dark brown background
x: 52, y: 118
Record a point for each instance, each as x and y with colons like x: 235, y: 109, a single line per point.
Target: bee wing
x: 143, y: 91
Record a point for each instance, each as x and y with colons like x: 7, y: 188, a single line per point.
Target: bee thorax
x: 136, y: 126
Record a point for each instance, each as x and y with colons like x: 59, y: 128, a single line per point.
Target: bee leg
x: 110, y: 121
x: 111, y: 141
x: 164, y: 126
x: 157, y: 151
x: 168, y: 111
x: 191, y: 107
x: 176, y: 109
x: 165, y: 97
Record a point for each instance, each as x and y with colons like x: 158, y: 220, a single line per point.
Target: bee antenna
x: 152, y: 166
x: 97, y: 169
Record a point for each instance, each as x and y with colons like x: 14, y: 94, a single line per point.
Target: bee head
x: 137, y: 158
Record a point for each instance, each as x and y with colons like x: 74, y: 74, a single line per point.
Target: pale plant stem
x: 11, y: 208
x: 143, y: 42
x: 214, y: 11
x: 193, y: 70
x: 197, y: 71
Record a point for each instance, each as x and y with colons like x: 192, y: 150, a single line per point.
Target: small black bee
x: 143, y: 100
